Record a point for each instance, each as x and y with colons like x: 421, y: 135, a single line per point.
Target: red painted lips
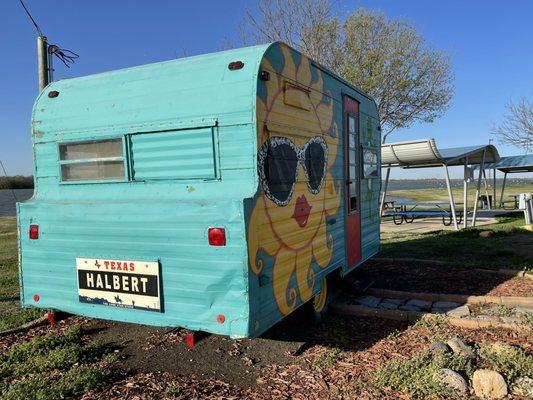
x: 302, y: 209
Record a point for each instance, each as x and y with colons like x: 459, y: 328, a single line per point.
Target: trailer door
x: 352, y: 179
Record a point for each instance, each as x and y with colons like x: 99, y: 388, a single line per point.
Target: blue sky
x: 490, y: 44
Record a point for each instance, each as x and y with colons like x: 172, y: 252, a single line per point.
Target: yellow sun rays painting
x: 298, y: 141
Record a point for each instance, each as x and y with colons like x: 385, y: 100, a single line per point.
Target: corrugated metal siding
x: 150, y: 218
x: 199, y: 281
x: 184, y: 154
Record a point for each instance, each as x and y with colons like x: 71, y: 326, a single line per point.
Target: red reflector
x: 221, y: 318
x: 53, y: 94
x: 34, y: 232
x: 217, y: 236
x: 190, y: 339
x: 235, y: 65
x: 36, y: 297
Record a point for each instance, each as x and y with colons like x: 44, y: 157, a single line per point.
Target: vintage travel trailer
x: 217, y: 193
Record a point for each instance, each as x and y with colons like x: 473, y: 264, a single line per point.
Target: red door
x: 352, y: 174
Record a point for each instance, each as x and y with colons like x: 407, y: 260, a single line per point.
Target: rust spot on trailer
x: 38, y: 133
x: 191, y: 189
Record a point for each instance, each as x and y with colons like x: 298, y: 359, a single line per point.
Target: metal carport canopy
x: 424, y: 153
x: 513, y: 164
x: 510, y: 165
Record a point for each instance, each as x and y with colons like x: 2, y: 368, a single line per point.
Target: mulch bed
x: 336, y: 360
x: 416, y: 277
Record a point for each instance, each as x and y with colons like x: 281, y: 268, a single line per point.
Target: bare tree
x: 311, y: 26
x: 386, y: 58
x: 517, y: 126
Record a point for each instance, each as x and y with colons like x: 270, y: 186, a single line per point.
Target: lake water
x: 7, y: 200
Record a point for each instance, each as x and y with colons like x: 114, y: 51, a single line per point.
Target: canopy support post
x: 494, y: 185
x: 503, y: 188
x: 478, y: 187
x: 450, y: 195
x: 465, y: 194
x: 387, y: 175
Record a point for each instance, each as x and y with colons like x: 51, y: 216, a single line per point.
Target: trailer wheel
x: 320, y: 302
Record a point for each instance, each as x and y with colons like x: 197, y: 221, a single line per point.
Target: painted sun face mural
x: 297, y: 148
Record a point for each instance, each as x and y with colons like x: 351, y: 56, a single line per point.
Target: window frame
x: 357, y: 164
x: 376, y: 152
x: 124, y: 158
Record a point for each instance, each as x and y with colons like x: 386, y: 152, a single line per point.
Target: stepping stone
x: 421, y: 304
x: 409, y: 308
x: 459, y: 312
x: 368, y: 301
x: 390, y: 304
x: 445, y: 305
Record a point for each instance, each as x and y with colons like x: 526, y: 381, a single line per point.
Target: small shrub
x: 415, y: 375
x: 513, y: 362
x: 328, y: 359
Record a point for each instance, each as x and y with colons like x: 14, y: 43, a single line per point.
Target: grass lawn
x: 421, y: 195
x: 11, y: 315
x: 509, y: 246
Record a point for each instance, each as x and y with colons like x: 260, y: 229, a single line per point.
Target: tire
x: 320, y: 303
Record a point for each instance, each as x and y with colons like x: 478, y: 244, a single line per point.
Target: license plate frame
x: 130, y: 284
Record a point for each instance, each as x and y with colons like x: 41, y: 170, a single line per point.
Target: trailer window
x: 94, y: 160
x: 370, y: 163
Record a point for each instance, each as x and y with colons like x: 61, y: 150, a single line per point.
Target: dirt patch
x: 416, y: 277
x: 147, y: 349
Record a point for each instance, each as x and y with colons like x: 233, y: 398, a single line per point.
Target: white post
x: 384, y: 191
x: 494, y: 185
x: 450, y: 195
x: 465, y: 194
x: 503, y: 188
x: 478, y: 187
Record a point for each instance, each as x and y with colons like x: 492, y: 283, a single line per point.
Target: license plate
x: 119, y: 283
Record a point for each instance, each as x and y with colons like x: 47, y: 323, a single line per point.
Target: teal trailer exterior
x: 153, y: 186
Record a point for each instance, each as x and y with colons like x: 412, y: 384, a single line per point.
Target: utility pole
x: 43, y: 62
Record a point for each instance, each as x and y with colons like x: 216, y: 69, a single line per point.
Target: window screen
x: 92, y: 160
x: 370, y: 163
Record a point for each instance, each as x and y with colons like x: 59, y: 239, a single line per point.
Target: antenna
x: 45, y: 53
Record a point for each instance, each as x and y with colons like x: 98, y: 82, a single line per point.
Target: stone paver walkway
x: 486, y: 312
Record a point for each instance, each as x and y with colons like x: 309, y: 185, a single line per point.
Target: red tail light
x: 217, y: 236
x: 34, y: 232
x: 232, y: 66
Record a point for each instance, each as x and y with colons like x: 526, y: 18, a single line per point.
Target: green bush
x: 511, y: 361
x: 415, y: 375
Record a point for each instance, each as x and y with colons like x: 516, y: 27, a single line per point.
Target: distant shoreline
x: 16, y: 182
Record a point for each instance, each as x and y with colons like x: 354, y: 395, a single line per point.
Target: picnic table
x: 407, y: 212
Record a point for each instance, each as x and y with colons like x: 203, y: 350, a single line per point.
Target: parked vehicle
x: 217, y: 193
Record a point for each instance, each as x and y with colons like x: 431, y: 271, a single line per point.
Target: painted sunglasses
x: 277, y: 163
